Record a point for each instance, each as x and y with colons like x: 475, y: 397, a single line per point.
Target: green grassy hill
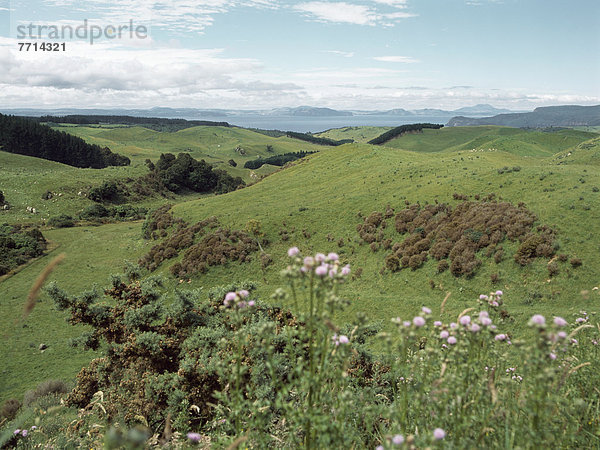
x: 359, y: 134
x: 317, y: 202
x: 492, y: 138
x: 216, y: 145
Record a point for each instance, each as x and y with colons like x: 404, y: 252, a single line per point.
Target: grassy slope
x: 216, y: 145
x: 323, y: 196
x: 359, y: 134
x: 491, y: 138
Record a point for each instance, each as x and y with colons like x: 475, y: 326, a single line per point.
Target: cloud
x: 350, y: 13
x: 340, y: 53
x: 396, y: 59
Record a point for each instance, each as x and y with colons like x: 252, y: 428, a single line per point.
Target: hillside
x: 492, y: 139
x: 316, y: 207
x: 550, y: 116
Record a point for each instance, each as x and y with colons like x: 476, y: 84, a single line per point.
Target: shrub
x: 94, y: 212
x: 107, y: 191
x: 2, y: 199
x: 553, y: 269
x: 442, y: 265
x: 576, y: 262
x: 10, y: 408
x: 45, y: 388
x: 62, y: 221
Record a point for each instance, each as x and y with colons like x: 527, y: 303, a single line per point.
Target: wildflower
x: 483, y: 297
x: 444, y: 334
x: 574, y: 341
x: 251, y: 303
x: 309, y: 261
x: 475, y: 328
x: 24, y: 433
x: 437, y: 323
x: 465, y: 320
x: 580, y: 320
x: 495, y: 304
x: 439, y: 434
x: 451, y: 340
x: 500, y: 337
x: 560, y: 322
x: 379, y: 447
x: 194, y: 437
x: 552, y: 356
x: 17, y: 431
x: 337, y: 340
x: 244, y: 293
x: 322, y: 270
x: 537, y: 319
x: 485, y: 321
x: 398, y: 439
x: 419, y: 321
x: 499, y: 293
x: 320, y: 257
x: 229, y: 297
x: 453, y: 325
x: 33, y: 427
x: 406, y: 323
x: 293, y: 252
x: 333, y: 257
x: 562, y: 334
x: 483, y: 314
x: 332, y: 272
x: 444, y: 346
x: 426, y: 310
x: 346, y: 270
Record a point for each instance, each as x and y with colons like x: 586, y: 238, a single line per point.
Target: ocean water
x: 316, y: 124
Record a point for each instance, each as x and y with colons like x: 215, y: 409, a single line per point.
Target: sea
x: 303, y: 124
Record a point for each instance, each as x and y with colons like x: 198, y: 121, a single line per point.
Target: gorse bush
x: 45, y: 388
x: 225, y: 368
x: 18, y: 245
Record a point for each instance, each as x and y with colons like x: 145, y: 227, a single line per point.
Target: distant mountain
x: 550, y: 116
x: 308, y: 111
x: 480, y: 110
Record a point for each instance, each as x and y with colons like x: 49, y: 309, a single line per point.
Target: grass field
x: 359, y: 134
x: 322, y: 195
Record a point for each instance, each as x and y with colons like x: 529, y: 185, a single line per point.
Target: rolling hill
x: 316, y: 204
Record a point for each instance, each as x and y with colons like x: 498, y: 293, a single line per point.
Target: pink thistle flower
x: 406, y: 323
x: 244, y: 293
x: 419, y: 321
x: 344, y: 339
x: 322, y: 270
x: 426, y: 310
x: 439, y: 434
x: 24, y: 433
x: 451, y: 340
x: 17, y: 431
x: 398, y: 439
x: 475, y: 328
x: 500, y: 337
x: 444, y: 346
x: 293, y: 252
x: 552, y: 356
x: 486, y: 321
x: 499, y: 293
x: 251, y: 303
x: 483, y: 297
x: 538, y: 320
x: 320, y: 257
x: 495, y: 303
x: 560, y: 322
x: 379, y: 447
x: 437, y: 323
x: 333, y: 257
x: 444, y: 334
x: 465, y: 320
x: 562, y: 334
x: 454, y: 325
x: 309, y: 262
x: 346, y: 270
x: 483, y: 314
x: 194, y: 437
x: 580, y: 320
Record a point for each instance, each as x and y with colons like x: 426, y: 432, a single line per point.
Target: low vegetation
x: 402, y: 129
x: 278, y: 160
x: 18, y: 245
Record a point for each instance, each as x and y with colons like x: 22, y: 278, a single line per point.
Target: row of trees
x: 277, y: 160
x: 398, y: 131
x: 317, y: 140
x: 27, y: 137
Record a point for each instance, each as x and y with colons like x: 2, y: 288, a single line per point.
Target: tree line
x: 398, y: 131
x: 28, y: 137
x: 276, y: 160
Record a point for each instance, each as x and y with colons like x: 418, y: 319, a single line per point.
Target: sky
x: 263, y: 54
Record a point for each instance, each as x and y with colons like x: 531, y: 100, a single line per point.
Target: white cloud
x: 356, y: 14
x: 396, y: 59
x: 340, y: 53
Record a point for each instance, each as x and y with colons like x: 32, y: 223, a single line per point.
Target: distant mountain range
x: 550, y: 116
x: 300, y: 111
